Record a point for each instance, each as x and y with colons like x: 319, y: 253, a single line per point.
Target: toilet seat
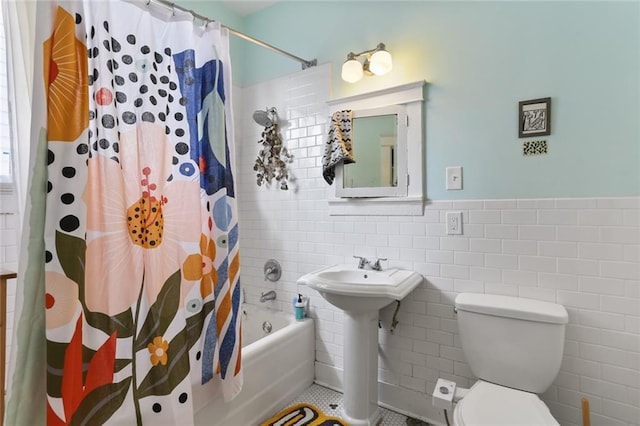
x: 493, y: 405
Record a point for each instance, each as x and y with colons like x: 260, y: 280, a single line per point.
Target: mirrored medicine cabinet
x: 387, y: 138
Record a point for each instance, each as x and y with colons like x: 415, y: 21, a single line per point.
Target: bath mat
x: 303, y: 415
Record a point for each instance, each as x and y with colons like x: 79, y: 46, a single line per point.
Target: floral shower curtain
x: 141, y: 262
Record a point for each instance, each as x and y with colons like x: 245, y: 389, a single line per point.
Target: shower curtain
x: 132, y: 230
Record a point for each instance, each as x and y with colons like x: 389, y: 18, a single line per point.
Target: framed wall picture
x: 534, y: 117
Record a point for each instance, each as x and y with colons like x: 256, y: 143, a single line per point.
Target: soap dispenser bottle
x: 299, y: 308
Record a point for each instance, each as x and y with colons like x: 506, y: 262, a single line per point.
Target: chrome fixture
x: 267, y: 117
x: 363, y: 263
x: 205, y: 21
x: 376, y: 266
x: 376, y: 62
x: 270, y: 295
x: 272, y: 270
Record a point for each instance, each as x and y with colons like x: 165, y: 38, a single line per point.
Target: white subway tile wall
x: 583, y: 253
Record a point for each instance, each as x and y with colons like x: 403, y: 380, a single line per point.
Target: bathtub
x: 277, y: 366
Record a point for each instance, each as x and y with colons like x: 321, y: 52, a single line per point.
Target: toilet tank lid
x: 512, y: 307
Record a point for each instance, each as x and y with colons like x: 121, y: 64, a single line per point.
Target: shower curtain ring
x: 148, y: 3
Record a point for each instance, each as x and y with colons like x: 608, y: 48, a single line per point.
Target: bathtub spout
x: 270, y: 295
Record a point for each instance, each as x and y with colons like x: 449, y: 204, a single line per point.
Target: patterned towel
x: 338, y: 147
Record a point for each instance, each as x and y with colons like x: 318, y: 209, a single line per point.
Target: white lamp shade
x: 351, y: 71
x: 380, y: 62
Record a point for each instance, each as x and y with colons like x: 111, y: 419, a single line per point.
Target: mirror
x: 375, y: 142
x: 386, y: 135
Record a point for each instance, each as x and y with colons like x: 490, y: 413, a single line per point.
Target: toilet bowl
x: 488, y: 404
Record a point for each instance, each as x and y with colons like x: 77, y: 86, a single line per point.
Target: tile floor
x: 330, y: 402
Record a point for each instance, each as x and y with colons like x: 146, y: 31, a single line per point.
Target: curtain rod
x: 305, y: 64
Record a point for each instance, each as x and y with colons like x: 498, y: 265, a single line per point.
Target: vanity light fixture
x: 376, y: 62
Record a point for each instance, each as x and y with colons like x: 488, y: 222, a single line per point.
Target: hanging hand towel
x: 338, y: 147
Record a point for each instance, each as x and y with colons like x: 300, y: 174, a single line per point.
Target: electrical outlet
x: 454, y: 223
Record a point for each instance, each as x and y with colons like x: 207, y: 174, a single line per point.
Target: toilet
x: 514, y: 347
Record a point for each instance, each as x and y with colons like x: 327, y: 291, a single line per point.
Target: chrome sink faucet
x: 363, y: 263
x: 270, y: 295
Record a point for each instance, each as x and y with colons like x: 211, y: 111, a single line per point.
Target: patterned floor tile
x: 330, y: 402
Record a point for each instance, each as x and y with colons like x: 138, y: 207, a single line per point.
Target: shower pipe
x: 305, y: 64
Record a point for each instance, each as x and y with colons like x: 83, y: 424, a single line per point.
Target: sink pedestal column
x: 360, y: 376
x: 361, y: 294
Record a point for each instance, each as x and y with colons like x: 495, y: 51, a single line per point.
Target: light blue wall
x: 480, y: 59
x: 213, y: 10
x: 216, y: 11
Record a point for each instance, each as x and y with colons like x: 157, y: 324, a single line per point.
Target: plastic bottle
x: 299, y: 308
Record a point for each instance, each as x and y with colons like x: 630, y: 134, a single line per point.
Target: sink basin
x: 359, y: 290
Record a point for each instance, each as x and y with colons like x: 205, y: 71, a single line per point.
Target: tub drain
x: 267, y: 327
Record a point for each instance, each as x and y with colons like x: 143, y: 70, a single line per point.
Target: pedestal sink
x: 361, y: 293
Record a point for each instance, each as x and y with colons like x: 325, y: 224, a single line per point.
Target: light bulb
x: 380, y: 62
x: 351, y: 71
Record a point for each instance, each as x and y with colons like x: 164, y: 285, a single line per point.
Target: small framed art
x: 534, y: 117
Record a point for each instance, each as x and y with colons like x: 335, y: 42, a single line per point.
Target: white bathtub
x: 277, y: 367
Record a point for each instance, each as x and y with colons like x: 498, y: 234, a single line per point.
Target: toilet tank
x: 512, y: 341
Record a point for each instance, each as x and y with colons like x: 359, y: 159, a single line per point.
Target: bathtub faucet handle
x: 272, y: 270
x: 267, y: 272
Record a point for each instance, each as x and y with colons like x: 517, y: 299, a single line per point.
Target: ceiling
x: 246, y: 7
